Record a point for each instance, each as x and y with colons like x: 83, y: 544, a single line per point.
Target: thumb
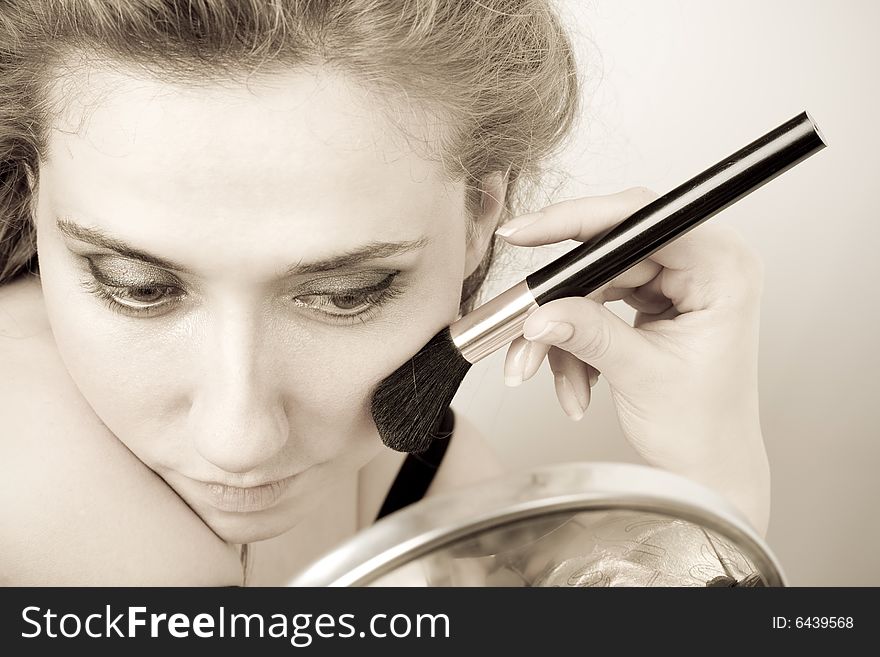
x: 594, y: 334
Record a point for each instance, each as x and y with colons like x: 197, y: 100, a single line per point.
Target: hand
x: 684, y: 377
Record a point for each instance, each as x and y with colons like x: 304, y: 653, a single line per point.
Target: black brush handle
x: 604, y: 257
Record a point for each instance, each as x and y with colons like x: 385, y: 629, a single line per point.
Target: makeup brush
x: 408, y: 405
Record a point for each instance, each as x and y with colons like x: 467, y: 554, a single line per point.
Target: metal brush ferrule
x: 494, y: 324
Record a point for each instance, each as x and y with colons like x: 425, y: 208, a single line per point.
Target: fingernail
x: 568, y: 398
x: 513, y: 369
x: 525, y: 362
x: 519, y: 223
x: 552, y: 332
x: 534, y: 356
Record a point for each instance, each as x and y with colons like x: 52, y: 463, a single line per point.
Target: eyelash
x: 374, y: 296
x: 110, y: 298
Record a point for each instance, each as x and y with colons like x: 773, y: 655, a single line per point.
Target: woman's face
x: 229, y: 269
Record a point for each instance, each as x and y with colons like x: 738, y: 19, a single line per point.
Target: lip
x: 246, y: 500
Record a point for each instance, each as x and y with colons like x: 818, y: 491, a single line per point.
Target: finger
x: 710, y: 266
x: 523, y: 360
x: 705, y: 243
x: 577, y: 219
x: 649, y: 298
x: 623, y: 285
x: 572, y: 380
x: 595, y: 335
x: 647, y: 320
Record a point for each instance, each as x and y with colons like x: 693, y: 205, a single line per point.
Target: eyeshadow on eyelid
x: 126, y: 271
x: 343, y: 284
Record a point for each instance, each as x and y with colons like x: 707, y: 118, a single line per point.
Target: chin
x: 251, y: 527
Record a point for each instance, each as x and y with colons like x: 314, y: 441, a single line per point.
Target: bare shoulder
x: 469, y: 459
x: 77, y: 507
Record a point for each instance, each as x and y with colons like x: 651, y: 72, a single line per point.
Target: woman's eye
x: 347, y: 302
x: 139, y: 300
x: 139, y: 297
x: 351, y: 303
x: 341, y: 305
x: 131, y: 289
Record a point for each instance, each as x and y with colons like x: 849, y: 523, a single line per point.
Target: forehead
x: 284, y: 117
x: 270, y: 151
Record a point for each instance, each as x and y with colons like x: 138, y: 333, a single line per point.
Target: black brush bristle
x: 409, y: 404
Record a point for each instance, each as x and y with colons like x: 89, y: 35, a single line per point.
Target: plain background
x: 672, y: 87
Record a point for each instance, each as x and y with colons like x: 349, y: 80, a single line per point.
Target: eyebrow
x: 370, y: 251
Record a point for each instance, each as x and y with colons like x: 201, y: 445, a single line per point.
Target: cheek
x: 347, y: 363
x: 115, y: 366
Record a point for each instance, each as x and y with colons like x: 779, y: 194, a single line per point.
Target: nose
x: 237, y: 418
